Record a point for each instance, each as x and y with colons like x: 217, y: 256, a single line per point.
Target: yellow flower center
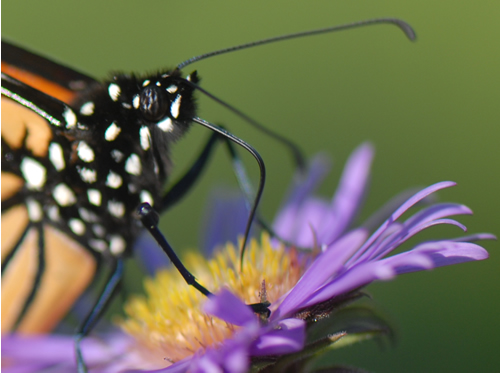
x: 169, y: 320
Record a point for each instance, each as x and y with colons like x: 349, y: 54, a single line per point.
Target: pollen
x: 169, y: 322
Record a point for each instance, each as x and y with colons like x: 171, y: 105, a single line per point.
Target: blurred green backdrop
x: 430, y: 107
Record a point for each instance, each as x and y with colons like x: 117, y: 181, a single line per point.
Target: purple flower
x: 332, y: 260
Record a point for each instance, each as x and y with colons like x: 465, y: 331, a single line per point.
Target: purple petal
x: 325, y: 266
x: 284, y: 224
x: 226, y: 306
x: 307, y: 219
x: 349, y: 194
x: 400, y: 211
x: 443, y: 253
x: 224, y: 221
x: 288, y: 338
x: 474, y: 237
x: 150, y: 255
x: 364, y: 274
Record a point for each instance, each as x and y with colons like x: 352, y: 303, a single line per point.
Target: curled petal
x: 226, y: 306
x: 288, y: 337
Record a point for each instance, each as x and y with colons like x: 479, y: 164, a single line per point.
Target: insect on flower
x: 78, y: 158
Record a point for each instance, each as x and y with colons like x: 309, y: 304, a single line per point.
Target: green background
x: 430, y: 108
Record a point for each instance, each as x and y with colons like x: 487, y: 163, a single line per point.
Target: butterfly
x: 78, y: 158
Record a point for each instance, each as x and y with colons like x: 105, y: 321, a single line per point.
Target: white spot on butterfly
x: 94, y: 197
x: 69, y: 117
x: 116, y: 208
x: 87, y: 174
x: 77, y: 226
x: 53, y: 213
x: 112, y: 132
x: 174, y: 108
x: 98, y: 230
x: 117, y: 155
x: 133, y: 165
x: 87, y: 108
x: 63, y: 195
x: 114, y: 180
x: 114, y: 91
x: 34, y: 173
x: 145, y: 83
x: 136, y: 101
x: 172, y: 89
x: 56, y: 156
x: 145, y: 196
x: 34, y: 210
x: 166, y: 125
x: 98, y: 245
x: 116, y: 245
x: 85, y: 152
x: 145, y: 137
x: 87, y: 215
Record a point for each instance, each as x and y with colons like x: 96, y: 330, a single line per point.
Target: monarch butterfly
x: 78, y: 157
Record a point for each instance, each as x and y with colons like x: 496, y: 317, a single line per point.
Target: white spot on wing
x: 98, y: 245
x: 145, y: 196
x: 117, y: 155
x: 116, y: 245
x: 53, y: 213
x: 126, y: 105
x: 94, y: 197
x: 34, y: 173
x: 69, y: 117
x: 56, y: 156
x: 174, y: 108
x: 114, y: 180
x: 85, y: 152
x: 112, y: 132
x: 77, y: 226
x: 114, y: 91
x: 87, y: 215
x: 34, y: 210
x: 98, y: 230
x: 116, y: 208
x: 166, y: 125
x: 87, y: 108
x: 133, y: 165
x: 145, y: 83
x: 87, y: 175
x: 145, y: 137
x: 63, y: 195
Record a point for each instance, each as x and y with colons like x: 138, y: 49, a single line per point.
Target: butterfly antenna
x: 295, y: 151
x: 405, y: 27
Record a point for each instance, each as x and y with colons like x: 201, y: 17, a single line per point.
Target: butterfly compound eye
x: 154, y: 103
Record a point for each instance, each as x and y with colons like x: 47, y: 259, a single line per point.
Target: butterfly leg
x: 98, y: 309
x: 150, y: 218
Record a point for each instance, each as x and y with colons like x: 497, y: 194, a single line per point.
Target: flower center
x: 169, y: 321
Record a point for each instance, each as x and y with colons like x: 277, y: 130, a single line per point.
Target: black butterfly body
x: 82, y: 171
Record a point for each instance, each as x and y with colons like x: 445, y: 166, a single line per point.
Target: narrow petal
x: 443, y: 253
x: 285, y: 223
x: 364, y: 252
x: 325, y: 266
x: 349, y: 194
